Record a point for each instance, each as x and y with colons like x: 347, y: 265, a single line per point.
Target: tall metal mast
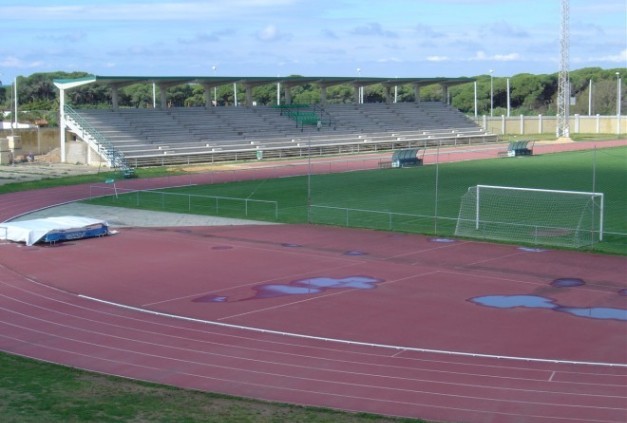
x: 563, y: 89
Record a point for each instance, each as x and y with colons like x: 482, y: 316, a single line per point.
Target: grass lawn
x: 32, y: 391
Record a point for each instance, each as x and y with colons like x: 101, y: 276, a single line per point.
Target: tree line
x: 528, y: 95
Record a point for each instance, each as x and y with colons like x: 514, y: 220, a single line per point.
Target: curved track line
x: 349, y: 342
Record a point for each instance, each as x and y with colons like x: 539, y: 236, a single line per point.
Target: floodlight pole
x: 563, y: 86
x: 508, y: 99
x: 15, y: 100
x: 590, y: 98
x: 396, y: 92
x: 476, y: 111
x: 618, y: 101
x: 491, y: 94
x: 215, y: 89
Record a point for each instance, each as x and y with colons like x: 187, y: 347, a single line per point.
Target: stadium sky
x: 381, y: 38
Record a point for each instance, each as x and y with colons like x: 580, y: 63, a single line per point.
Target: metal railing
x: 114, y: 157
x: 187, y: 203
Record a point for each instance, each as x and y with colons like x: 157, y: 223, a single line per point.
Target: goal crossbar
x: 531, y: 215
x: 554, y: 191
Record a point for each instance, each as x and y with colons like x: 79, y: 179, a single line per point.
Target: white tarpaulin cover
x: 52, y: 229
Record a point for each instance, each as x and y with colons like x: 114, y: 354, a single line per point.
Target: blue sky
x: 382, y: 38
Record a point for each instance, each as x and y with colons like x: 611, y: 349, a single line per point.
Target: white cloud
x: 14, y: 62
x: 390, y: 60
x: 271, y: 33
x: 437, y: 59
x: 504, y: 29
x: 506, y: 57
x: 374, y: 29
x: 135, y: 10
x: 481, y: 56
x: 204, y: 37
x: 621, y: 57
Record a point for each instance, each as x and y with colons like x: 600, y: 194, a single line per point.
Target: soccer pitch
x: 422, y: 199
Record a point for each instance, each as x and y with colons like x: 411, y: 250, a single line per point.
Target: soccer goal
x: 531, y: 216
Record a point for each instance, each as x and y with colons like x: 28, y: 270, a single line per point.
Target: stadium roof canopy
x: 120, y: 81
x: 249, y: 82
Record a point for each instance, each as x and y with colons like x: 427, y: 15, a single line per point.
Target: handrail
x: 104, y: 147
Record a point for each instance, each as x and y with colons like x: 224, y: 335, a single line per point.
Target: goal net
x: 531, y: 216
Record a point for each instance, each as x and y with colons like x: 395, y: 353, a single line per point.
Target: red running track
x: 560, y: 367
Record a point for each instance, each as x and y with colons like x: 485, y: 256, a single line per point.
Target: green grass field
x: 420, y: 200
x: 34, y: 392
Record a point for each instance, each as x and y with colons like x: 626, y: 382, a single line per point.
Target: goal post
x: 531, y: 215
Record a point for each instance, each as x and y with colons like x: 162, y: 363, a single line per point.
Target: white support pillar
x: 15, y: 101
x: 323, y: 95
x: 508, y: 99
x: 207, y: 95
x: 388, y: 94
x: 598, y: 122
x: 115, y: 95
x: 235, y: 93
x: 476, y: 111
x: 163, y: 104
x: 288, y: 93
x: 539, y: 124
x: 249, y: 95
x: 62, y: 122
x: 522, y: 124
x: 416, y: 93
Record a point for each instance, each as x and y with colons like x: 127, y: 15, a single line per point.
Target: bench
x: 408, y: 157
x: 519, y: 148
x: 128, y: 172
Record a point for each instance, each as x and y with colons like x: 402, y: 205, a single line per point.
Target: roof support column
x: 62, y: 122
x: 249, y: 94
x: 207, y: 95
x: 445, y: 94
x: 163, y: 103
x: 323, y: 95
x: 288, y: 93
x: 388, y: 94
x: 115, y: 96
x: 416, y: 93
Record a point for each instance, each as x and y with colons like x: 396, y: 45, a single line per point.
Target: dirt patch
x: 37, y: 170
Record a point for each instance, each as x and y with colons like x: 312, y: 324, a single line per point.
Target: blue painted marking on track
x: 309, y: 286
x: 535, y: 301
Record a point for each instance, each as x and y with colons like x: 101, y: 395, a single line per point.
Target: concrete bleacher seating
x: 143, y: 133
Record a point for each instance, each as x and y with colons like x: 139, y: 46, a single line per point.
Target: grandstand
x: 129, y: 138
x: 182, y: 135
